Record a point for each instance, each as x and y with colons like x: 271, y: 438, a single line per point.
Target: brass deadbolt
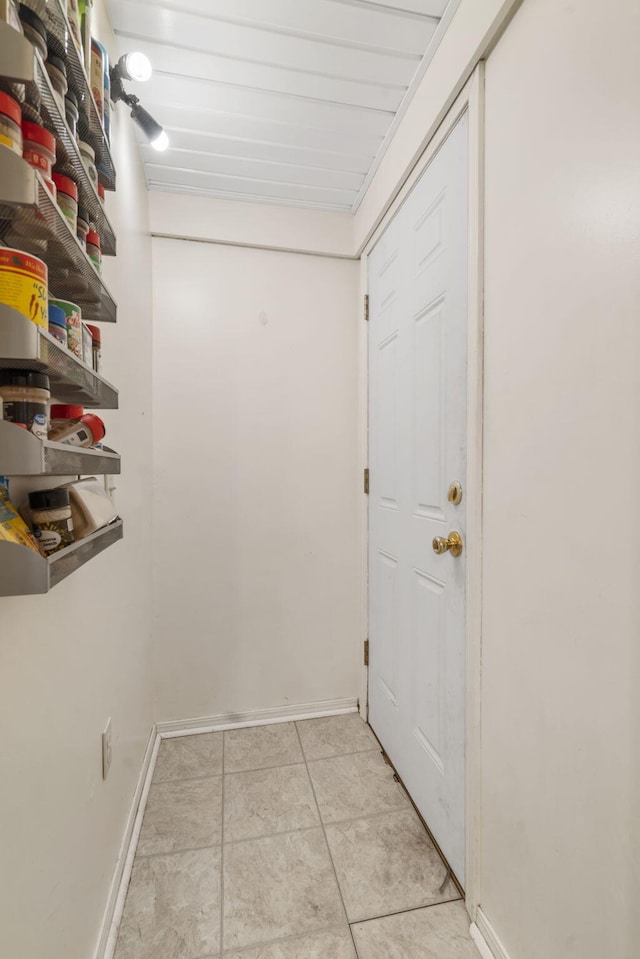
x: 455, y: 493
x: 451, y: 544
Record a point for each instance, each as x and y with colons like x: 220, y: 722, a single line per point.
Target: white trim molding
x: 122, y: 873
x: 486, y: 938
x: 256, y: 717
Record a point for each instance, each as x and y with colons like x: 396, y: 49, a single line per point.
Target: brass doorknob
x: 452, y: 544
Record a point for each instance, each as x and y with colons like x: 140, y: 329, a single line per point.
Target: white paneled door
x: 417, y: 449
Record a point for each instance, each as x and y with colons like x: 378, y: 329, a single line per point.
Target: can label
x: 27, y: 414
x: 23, y: 285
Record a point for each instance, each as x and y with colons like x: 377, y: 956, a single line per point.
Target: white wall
x: 72, y: 658
x: 561, y: 634
x: 257, y: 479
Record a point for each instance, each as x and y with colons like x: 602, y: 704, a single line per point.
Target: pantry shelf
x: 23, y: 572
x: 23, y: 454
x: 58, y: 24
x: 26, y: 346
x: 32, y: 221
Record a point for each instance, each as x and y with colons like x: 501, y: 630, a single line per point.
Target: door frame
x: 471, y: 102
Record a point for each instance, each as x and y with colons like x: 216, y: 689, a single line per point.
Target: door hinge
x: 366, y: 480
x: 366, y: 307
x: 366, y: 652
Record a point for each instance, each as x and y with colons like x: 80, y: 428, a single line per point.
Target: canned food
x: 23, y: 284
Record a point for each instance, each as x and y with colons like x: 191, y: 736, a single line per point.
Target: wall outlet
x: 106, y: 749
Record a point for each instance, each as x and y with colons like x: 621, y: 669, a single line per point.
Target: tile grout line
x: 401, y: 912
x: 222, y: 853
x: 294, y: 937
x: 326, y: 842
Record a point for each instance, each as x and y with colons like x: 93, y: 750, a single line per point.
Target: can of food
x: 23, y: 284
x: 74, y: 325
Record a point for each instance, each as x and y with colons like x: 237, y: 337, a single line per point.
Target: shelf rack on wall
x: 23, y: 572
x: 31, y: 220
x: 23, y: 454
x: 26, y: 346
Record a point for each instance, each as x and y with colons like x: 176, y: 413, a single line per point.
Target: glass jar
x: 88, y: 155
x: 34, y: 29
x: 93, y: 250
x: 38, y: 147
x: 96, y: 346
x: 51, y: 519
x: 67, y: 198
x: 86, y: 431
x: 25, y: 396
x: 10, y: 123
x: 57, y: 70
x: 58, y: 323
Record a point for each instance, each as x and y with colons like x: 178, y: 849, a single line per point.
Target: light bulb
x: 161, y: 142
x: 136, y: 66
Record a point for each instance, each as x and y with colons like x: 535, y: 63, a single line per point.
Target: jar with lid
x: 25, y: 396
x: 67, y: 198
x: 93, y: 250
x: 85, y: 430
x: 39, y: 150
x: 51, y: 519
x: 82, y: 226
x: 34, y: 28
x: 96, y: 346
x: 57, y: 70
x: 88, y: 155
x: 10, y: 123
x: 58, y: 323
x: 71, y: 111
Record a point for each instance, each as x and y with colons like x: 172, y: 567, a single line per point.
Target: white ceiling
x: 283, y: 101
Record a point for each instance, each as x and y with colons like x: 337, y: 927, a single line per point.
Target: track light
x: 136, y: 66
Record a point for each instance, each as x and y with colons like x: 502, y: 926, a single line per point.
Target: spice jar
x: 57, y: 70
x: 74, y: 325
x: 39, y: 149
x: 10, y: 123
x: 25, y: 396
x: 67, y: 198
x: 88, y: 155
x: 93, y: 250
x: 96, y: 346
x: 86, y: 430
x: 61, y: 413
x: 82, y: 226
x: 51, y: 519
x: 101, y: 193
x: 87, y: 345
x: 58, y: 323
x: 71, y: 111
x: 34, y: 29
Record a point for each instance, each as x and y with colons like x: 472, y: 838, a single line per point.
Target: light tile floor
x: 290, y: 841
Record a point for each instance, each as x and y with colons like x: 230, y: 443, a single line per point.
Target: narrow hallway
x: 286, y: 841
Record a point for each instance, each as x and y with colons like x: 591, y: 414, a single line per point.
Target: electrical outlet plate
x: 106, y: 749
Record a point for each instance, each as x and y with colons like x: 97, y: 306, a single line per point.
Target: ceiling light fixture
x: 136, y: 66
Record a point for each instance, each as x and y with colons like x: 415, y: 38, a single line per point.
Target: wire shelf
x: 32, y: 221
x: 23, y: 454
x: 26, y: 346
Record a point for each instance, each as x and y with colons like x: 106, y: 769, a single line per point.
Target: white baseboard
x: 257, y: 717
x: 122, y: 874
x: 486, y: 938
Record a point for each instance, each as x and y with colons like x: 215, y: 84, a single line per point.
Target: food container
x: 23, y: 284
x: 87, y: 346
x: 60, y: 413
x: 74, y: 325
x: 86, y: 431
x: 9, y: 14
x: 101, y: 193
x: 96, y: 346
x: 93, y: 249
x: 58, y: 323
x: 82, y: 226
x: 10, y: 123
x: 71, y: 111
x: 96, y: 77
x: 88, y: 155
x: 38, y: 147
x: 57, y: 70
x: 51, y: 519
x: 67, y: 198
x: 34, y: 29
x: 74, y: 23
x: 25, y: 396
x: 91, y: 506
